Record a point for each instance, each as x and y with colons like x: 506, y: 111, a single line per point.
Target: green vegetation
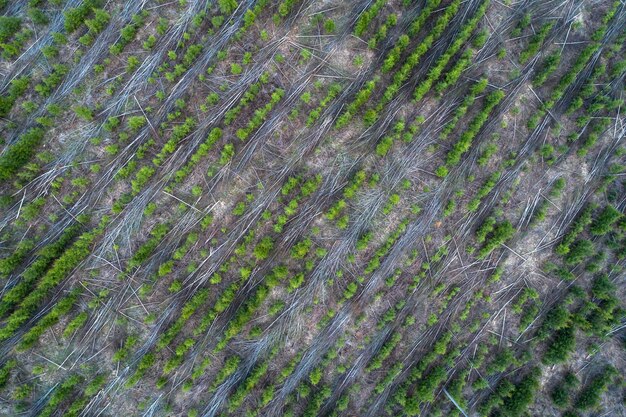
x: 144, y: 251
x: 465, y: 140
x: 589, y: 396
x: 605, y: 219
x: 562, y: 344
x: 36, y: 270
x: 76, y: 17
x: 460, y: 40
x: 17, y: 88
x: 549, y: 64
x: 20, y: 152
x: 575, y: 229
x: 535, y: 42
x: 366, y: 17
x: 311, y: 208
x: 498, y: 234
x: 61, y: 308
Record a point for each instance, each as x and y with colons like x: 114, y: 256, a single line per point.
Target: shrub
x: 263, y: 248
x: 228, y: 151
x: 76, y: 323
x: 465, y: 141
x: 50, y: 51
x: 295, y: 282
x: 135, y: 123
x: 550, y: 63
x: 306, y: 97
x: 9, y: 25
x: 607, y: 217
x: 248, y: 19
x: 329, y: 25
x: 522, y: 395
x: 315, y: 376
x: 361, y: 98
x: 84, y: 113
x: 535, y: 43
x: 99, y: 22
x: 385, y: 352
x: 229, y: 367
x: 17, y: 88
x: 51, y: 81
x: 149, y: 42
x: 562, y: 344
x: 128, y: 33
x: 9, y: 263
x: 175, y: 286
x: 460, y: 40
x: 227, y: 6
x: 301, y: 249
x: 191, y: 54
x: 60, y: 309
x: 500, y: 234
x: 350, y: 290
x: 394, y: 55
x: 560, y: 396
x: 495, y: 399
x: 5, y: 371
x: 165, y: 268
x: 141, y: 178
x: 20, y: 152
x: 425, y: 388
x: 480, y: 39
x: 441, y: 171
x: 364, y: 241
x: 589, y: 396
x: 501, y: 362
x: 367, y: 16
x: 276, y: 307
x: 61, y: 394
x: 579, y: 251
x: 384, y: 145
x: 146, y: 250
x: 75, y: 17
x: 575, y: 229
x: 394, y: 199
x: 132, y: 63
x: 212, y: 99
